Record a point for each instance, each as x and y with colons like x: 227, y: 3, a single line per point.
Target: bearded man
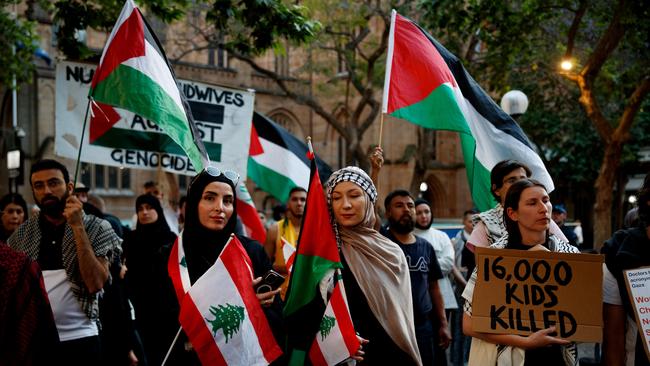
x: 73, y: 250
x: 428, y: 305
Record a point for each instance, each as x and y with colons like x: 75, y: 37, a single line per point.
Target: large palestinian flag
x: 277, y: 160
x: 427, y: 85
x: 318, y: 324
x: 134, y: 74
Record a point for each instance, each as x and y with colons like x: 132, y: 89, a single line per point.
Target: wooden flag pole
x: 381, y: 128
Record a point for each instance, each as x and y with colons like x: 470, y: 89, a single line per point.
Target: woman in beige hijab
x: 375, y: 273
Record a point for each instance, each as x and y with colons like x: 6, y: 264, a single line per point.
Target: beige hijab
x: 378, y: 265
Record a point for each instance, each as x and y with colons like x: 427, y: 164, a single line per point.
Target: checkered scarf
x: 354, y: 175
x: 105, y: 243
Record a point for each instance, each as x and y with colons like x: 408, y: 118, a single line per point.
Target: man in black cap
x: 559, y: 216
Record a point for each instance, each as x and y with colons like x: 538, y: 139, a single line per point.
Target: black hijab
x: 148, y: 238
x: 202, y: 246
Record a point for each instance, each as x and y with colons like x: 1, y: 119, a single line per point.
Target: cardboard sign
x: 222, y: 115
x: 521, y: 292
x: 637, y: 282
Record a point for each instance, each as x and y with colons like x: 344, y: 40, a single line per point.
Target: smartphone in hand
x: 270, y: 281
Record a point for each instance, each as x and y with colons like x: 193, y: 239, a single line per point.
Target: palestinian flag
x: 134, y: 74
x: 228, y: 326
x: 277, y: 160
x: 248, y: 214
x: 427, y: 85
x: 328, y: 337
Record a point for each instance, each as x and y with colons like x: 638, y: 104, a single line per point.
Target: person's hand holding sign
x: 543, y: 338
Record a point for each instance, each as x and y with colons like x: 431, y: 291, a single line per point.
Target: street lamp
x: 566, y: 65
x: 515, y: 103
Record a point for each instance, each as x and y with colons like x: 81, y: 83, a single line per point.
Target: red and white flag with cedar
x: 223, y: 318
x: 247, y: 212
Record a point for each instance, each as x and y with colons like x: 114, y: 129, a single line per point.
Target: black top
x: 50, y: 256
x: 424, y: 269
x: 380, y: 350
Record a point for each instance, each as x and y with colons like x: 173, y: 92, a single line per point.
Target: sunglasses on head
x: 229, y: 174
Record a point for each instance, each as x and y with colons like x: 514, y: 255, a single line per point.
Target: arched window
x: 287, y: 120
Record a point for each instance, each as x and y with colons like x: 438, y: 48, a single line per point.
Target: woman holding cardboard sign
x: 527, y: 216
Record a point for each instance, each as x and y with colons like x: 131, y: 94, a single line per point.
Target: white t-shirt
x: 445, y: 255
x: 612, y: 296
x: 71, y: 321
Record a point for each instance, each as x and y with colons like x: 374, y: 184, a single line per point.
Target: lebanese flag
x: 427, y: 85
x: 223, y: 318
x: 134, y: 74
x: 248, y: 214
x: 316, y: 266
x: 336, y: 339
x: 289, y: 254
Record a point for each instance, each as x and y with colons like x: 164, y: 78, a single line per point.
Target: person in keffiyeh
x: 73, y: 250
x: 375, y: 272
x: 527, y: 217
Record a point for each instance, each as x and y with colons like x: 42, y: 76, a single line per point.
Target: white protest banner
x: 120, y: 138
x: 638, y: 287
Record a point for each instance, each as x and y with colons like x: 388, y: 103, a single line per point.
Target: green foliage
x: 20, y: 33
x: 74, y: 15
x: 251, y: 27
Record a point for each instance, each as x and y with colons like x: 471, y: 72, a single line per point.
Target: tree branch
x: 606, y: 45
x: 632, y: 107
x: 592, y: 109
x: 573, y: 30
x: 300, y: 98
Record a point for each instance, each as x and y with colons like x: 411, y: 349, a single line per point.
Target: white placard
x: 638, y: 287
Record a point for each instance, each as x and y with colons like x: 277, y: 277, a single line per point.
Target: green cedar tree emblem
x: 183, y: 262
x: 326, y: 326
x: 228, y: 318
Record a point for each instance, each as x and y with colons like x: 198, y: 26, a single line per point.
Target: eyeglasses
x: 215, y: 172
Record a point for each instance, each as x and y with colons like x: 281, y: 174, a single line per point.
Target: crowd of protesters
x: 79, y: 288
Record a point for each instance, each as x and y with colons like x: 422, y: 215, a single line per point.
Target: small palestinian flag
x: 223, y: 318
x: 134, y: 74
x: 277, y: 160
x: 427, y: 85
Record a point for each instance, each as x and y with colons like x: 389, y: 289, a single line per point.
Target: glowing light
x: 566, y: 65
x: 632, y: 199
x: 423, y: 187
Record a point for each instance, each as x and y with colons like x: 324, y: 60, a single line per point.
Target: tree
x: 18, y: 35
x: 627, y: 29
x: 348, y: 36
x: 521, y: 44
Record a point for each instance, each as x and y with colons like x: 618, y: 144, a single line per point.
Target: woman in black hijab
x: 144, y: 254
x: 210, y: 219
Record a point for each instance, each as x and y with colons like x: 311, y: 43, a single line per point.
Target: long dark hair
x: 512, y: 201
